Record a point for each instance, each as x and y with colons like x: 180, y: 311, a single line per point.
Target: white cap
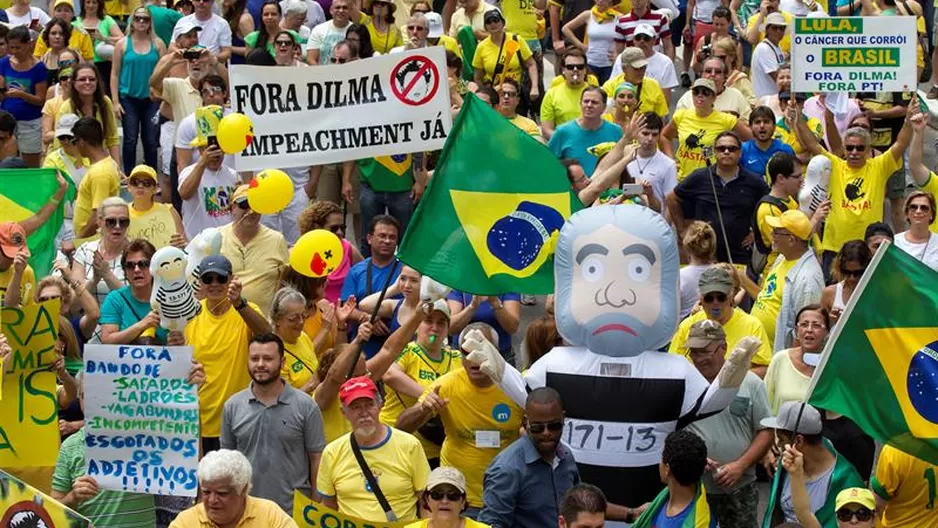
x: 774, y: 19
x: 185, y: 25
x: 65, y: 124
x: 434, y: 25
x: 645, y: 29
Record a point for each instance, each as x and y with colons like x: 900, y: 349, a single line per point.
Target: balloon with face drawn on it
x: 617, y: 290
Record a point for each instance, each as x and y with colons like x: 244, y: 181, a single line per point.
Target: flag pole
x: 374, y: 313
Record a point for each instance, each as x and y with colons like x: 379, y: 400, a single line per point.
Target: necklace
x: 641, y: 169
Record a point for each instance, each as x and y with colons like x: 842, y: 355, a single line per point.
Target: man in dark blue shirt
x: 759, y: 150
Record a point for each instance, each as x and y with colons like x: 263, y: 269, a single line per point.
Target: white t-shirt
x: 703, y: 10
x: 766, y: 58
x: 690, y: 276
x: 926, y: 252
x: 186, y: 132
x: 210, y: 206
x: 797, y: 8
x: 215, y: 34
x: 27, y: 19
x: 660, y: 68
x: 602, y: 42
x: 659, y: 169
x: 324, y: 37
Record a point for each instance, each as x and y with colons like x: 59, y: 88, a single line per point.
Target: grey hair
x: 226, y: 464
x: 295, y: 7
x: 284, y: 296
x: 486, y: 330
x: 113, y: 201
x: 858, y: 132
x: 418, y: 17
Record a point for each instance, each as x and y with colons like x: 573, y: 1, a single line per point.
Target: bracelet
x: 55, y: 201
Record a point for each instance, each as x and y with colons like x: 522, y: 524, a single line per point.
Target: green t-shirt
x: 164, y: 20
x: 388, y: 173
x: 108, y: 508
x: 104, y: 28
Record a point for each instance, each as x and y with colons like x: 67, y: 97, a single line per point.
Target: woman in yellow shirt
x: 503, y: 54
x: 56, y: 95
x: 87, y: 99
x: 385, y: 36
x: 157, y: 223
x: 287, y: 314
x: 445, y: 499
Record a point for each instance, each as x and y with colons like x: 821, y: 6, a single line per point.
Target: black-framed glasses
x: 862, y: 514
x: 49, y: 298
x: 284, y: 43
x: 137, y: 264
x: 715, y: 297
x: 726, y: 148
x: 855, y: 148
x: 452, y: 496
x: 853, y: 273
x: 338, y: 60
x: 540, y: 427
x: 337, y: 228
x: 575, y: 66
x: 243, y: 205
x: 214, y: 278
x: 122, y: 222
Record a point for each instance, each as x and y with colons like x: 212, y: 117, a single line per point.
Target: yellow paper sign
x: 29, y: 432
x: 309, y: 514
x: 24, y: 505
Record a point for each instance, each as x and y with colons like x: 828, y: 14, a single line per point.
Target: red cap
x: 12, y: 239
x: 355, y: 388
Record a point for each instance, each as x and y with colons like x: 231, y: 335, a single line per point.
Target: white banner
x: 141, y: 419
x: 382, y: 106
x: 854, y: 54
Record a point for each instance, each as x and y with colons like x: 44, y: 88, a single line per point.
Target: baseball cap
x: 714, y: 279
x: 240, y: 194
x: 634, y: 58
x: 493, y: 15
x: 810, y: 423
x: 65, y: 125
x: 705, y: 83
x: 645, y: 29
x: 446, y: 475
x: 441, y: 306
x: 434, y: 25
x: 774, y: 19
x: 705, y: 333
x: 145, y: 171
x: 12, y: 239
x: 215, y: 264
x: 794, y: 220
x: 355, y: 388
x: 185, y: 25
x: 63, y: 2
x: 879, y: 228
x: 861, y: 496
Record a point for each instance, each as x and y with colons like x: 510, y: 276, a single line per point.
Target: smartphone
x: 191, y: 55
x: 632, y: 189
x: 212, y: 140
x: 92, y: 32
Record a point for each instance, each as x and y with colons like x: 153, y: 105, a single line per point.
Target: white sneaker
x: 528, y: 300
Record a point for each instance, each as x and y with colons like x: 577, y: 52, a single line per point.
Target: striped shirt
x: 107, y: 508
x: 625, y: 27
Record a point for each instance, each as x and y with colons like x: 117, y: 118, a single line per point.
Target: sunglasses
x: 452, y: 496
x: 540, y: 427
x: 855, y: 148
x: 214, y: 278
x: 123, y: 223
x: 726, y: 148
x: 141, y: 19
x: 920, y: 207
x: 712, y: 71
x: 337, y: 228
x: 424, y: 11
x: 715, y: 297
x: 64, y: 78
x: 642, y: 37
x: 853, y: 273
x: 862, y: 515
x: 575, y: 66
x: 702, y: 91
x: 139, y: 264
x: 243, y: 205
x: 49, y: 298
x: 510, y: 95
x: 284, y: 43
x: 338, y: 60
x: 134, y: 182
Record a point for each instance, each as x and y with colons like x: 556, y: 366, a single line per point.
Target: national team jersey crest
x: 398, y: 164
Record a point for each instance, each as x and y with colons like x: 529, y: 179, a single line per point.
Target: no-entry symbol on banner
x: 415, y: 80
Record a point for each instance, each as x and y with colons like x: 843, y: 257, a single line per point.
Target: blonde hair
x: 728, y: 46
x: 700, y: 240
x: 112, y: 201
x: 58, y: 282
x: 130, y: 25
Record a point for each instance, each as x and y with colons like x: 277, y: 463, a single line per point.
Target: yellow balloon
x: 317, y: 253
x: 270, y: 191
x: 235, y: 133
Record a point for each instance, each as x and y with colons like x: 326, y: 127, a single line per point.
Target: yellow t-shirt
x: 479, y: 423
x: 788, y: 137
x: 258, y: 513
x: 385, y: 42
x: 220, y: 343
x: 785, y: 43
x: 908, y: 483
x: 856, y: 197
x: 117, y: 8
x: 111, y: 139
x: 651, y: 99
x: 931, y: 185
x: 769, y: 302
x: 558, y: 80
x: 102, y: 180
x: 334, y: 423
x: 520, y: 18
x: 695, y: 132
x: 561, y: 104
x: 27, y: 283
x: 765, y: 230
x: 424, y: 523
x: 156, y: 225
x: 398, y: 464
x: 257, y: 264
x: 299, y: 361
x: 488, y: 55
x: 424, y: 370
x: 311, y: 328
x: 80, y: 41
x: 527, y: 125
x: 739, y: 326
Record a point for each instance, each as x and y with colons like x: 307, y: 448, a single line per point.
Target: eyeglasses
x: 284, y: 43
x: 811, y: 325
x: 714, y: 297
x: 123, y: 223
x: 853, y: 273
x: 642, y: 37
x: 65, y: 78
x: 452, y: 496
x: 136, y: 182
x: 540, y: 427
x: 920, y: 207
x: 141, y: 19
x: 338, y: 60
x: 577, y: 67
x: 49, y: 298
x: 705, y: 352
x: 86, y: 79
x: 211, y: 90
x: 862, y: 514
x: 339, y: 7
x: 509, y: 94
x: 855, y: 148
x: 243, y: 205
x: 424, y: 11
x: 337, y: 228
x: 726, y: 148
x: 713, y: 70
x: 214, y: 278
x: 139, y: 264
x: 702, y: 91
x: 416, y: 28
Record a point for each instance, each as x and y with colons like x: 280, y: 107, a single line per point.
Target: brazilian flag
x: 880, y: 366
x: 22, y: 193
x: 492, y: 212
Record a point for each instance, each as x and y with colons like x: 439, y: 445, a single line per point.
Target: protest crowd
x: 363, y: 395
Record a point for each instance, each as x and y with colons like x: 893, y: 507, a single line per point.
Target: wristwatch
x: 241, y: 304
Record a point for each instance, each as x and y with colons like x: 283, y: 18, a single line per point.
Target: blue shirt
x: 356, y: 283
x: 570, y: 140
x: 754, y: 159
x: 521, y: 490
x: 485, y: 314
x: 25, y: 81
x: 122, y: 309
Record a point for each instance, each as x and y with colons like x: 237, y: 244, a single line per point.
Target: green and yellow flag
x: 22, y: 193
x: 492, y: 212
x: 880, y: 366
